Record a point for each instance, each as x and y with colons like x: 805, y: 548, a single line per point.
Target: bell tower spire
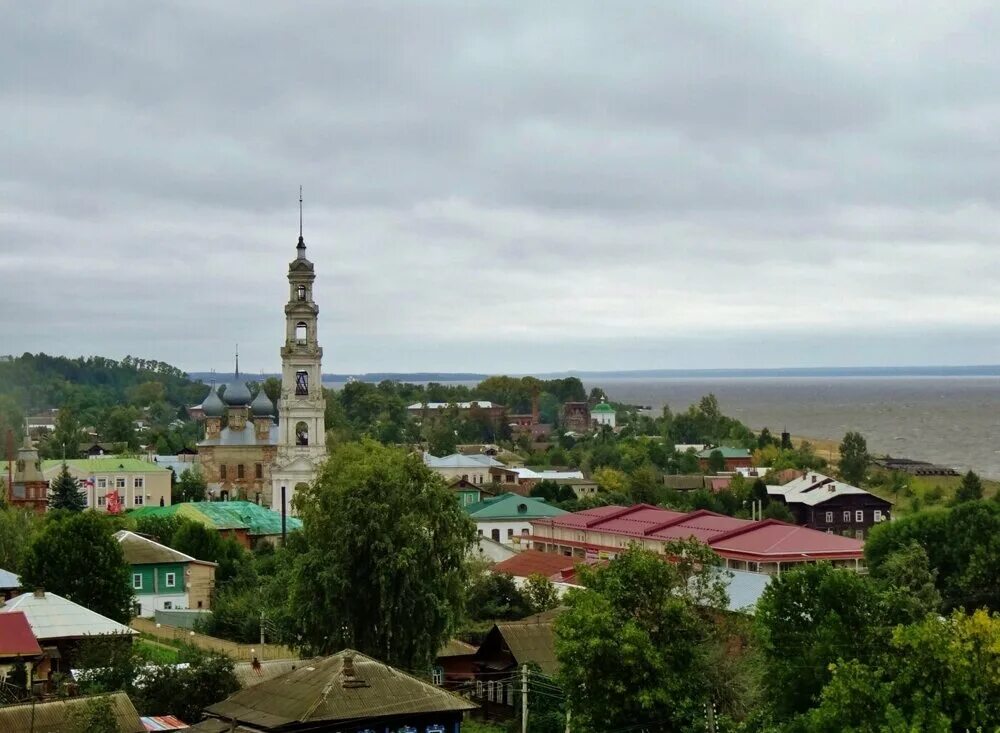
x: 301, y: 247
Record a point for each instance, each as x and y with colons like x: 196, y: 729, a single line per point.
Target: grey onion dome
x: 262, y: 405
x: 237, y: 395
x: 212, y: 405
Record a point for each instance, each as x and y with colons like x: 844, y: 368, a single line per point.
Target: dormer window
x: 300, y: 292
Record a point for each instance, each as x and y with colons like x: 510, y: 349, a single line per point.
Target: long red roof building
x: 766, y: 546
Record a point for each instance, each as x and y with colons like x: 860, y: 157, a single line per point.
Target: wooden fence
x: 239, y: 652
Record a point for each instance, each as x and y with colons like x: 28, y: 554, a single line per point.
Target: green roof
x: 726, y: 452
x: 255, y: 519
x: 603, y: 407
x: 107, y: 464
x: 512, y: 506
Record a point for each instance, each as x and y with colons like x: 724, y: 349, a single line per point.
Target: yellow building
x: 138, y: 483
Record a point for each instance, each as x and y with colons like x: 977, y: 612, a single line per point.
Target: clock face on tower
x: 301, y: 383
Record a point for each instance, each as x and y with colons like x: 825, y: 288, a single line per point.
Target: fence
x: 239, y: 652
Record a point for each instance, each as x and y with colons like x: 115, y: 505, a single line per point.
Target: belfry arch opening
x: 301, y: 332
x: 301, y: 433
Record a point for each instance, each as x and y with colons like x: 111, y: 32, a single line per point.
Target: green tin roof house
x: 507, y: 518
x: 164, y: 579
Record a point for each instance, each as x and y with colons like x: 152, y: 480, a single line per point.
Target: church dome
x: 262, y: 405
x: 237, y: 395
x: 212, y: 405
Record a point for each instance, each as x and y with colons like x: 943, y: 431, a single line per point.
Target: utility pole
x: 262, y: 635
x: 710, y: 717
x: 524, y: 698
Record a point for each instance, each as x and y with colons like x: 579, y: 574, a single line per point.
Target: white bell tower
x: 301, y: 407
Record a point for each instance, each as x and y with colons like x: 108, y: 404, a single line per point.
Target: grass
x: 155, y: 651
x: 923, y: 492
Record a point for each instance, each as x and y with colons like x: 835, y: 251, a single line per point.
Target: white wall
x: 519, y: 526
x: 149, y: 603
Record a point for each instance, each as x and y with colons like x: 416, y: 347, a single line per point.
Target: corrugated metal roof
x: 54, y: 617
x: 54, y: 716
x: 256, y: 519
x: 323, y: 691
x: 512, y: 506
x: 532, y: 640
x: 9, y: 579
x: 163, y: 722
x: 460, y: 460
x: 248, y: 675
x: 456, y: 648
x: 140, y: 550
x: 726, y: 452
x: 105, y: 464
x: 530, y: 562
x: 815, y: 488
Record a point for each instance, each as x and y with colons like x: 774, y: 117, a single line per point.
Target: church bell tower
x: 301, y: 407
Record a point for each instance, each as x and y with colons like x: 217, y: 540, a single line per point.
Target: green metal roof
x: 256, y: 519
x: 512, y: 506
x: 726, y: 452
x: 603, y: 407
x: 107, y: 464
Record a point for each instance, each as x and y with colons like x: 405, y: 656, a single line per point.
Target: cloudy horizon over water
x: 504, y: 187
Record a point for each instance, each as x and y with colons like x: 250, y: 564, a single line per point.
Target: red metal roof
x: 16, y: 637
x: 767, y: 540
x: 530, y: 562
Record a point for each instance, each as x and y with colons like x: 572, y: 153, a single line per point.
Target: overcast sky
x: 504, y: 186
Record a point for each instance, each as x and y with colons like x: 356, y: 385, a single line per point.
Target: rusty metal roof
x: 326, y: 690
x: 532, y: 640
x: 54, y: 717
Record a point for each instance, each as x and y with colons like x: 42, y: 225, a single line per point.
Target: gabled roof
x: 532, y: 640
x: 726, y: 452
x: 512, y: 506
x: 814, y: 488
x: 16, y: 638
x: 9, y: 580
x: 530, y: 562
x: 456, y: 648
x: 139, y: 550
x: 56, y: 716
x: 255, y: 519
x: 347, y: 686
x: 460, y: 460
x: 54, y: 617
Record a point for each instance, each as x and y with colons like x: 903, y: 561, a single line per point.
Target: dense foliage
x: 75, y: 556
x: 383, y: 570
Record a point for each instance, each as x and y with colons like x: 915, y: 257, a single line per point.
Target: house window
x: 170, y: 580
x: 437, y: 676
x: 138, y: 499
x: 859, y: 515
x: 301, y: 383
x: 120, y: 482
x: 102, y: 500
x: 222, y: 472
x: 102, y: 483
x: 878, y: 515
x: 258, y: 470
x: 168, y: 605
x: 479, y: 688
x: 847, y: 515
x: 489, y: 690
x: 138, y: 482
x: 829, y: 517
x: 510, y: 533
x: 495, y: 534
x: 859, y: 534
x: 239, y: 471
x: 480, y: 532
x: 525, y: 532
x: 137, y: 581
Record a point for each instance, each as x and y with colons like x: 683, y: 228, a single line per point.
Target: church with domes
x: 259, y: 451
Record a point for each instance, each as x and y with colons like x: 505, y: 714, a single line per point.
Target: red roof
x: 530, y: 562
x: 16, y: 637
x: 768, y: 540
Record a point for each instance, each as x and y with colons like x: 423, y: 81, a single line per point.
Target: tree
x: 939, y: 675
x: 191, y: 486
x: 854, y: 458
x: 205, y: 543
x: 12, y: 419
x: 75, y: 556
x: 971, y: 488
x: 16, y: 528
x: 908, y: 576
x: 641, y: 611
x: 65, y: 493
x: 611, y: 480
x: 384, y: 568
x: 962, y: 546
x: 96, y: 715
x: 496, y: 597
x: 186, y: 692
x: 65, y: 440
x: 540, y: 593
x: 716, y: 461
x: 807, y: 619
x: 777, y: 510
x: 645, y: 484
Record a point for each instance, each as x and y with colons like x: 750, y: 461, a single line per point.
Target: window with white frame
x: 877, y: 515
x: 168, y: 605
x: 829, y: 517
x: 138, y: 482
x: 847, y: 515
x: 859, y: 515
x: 137, y: 581
x: 437, y: 676
x: 138, y: 500
x: 859, y: 534
x: 102, y: 483
x: 170, y: 580
x: 120, y: 482
x: 102, y: 500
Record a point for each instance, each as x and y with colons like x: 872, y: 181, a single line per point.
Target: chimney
x: 39, y: 593
x: 351, y: 680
